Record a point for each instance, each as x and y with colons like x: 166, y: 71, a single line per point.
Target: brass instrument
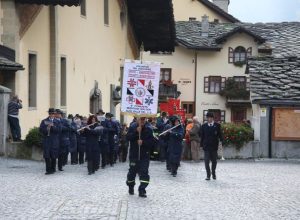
x: 49, y: 125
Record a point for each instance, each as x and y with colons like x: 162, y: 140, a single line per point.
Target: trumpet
x: 80, y: 129
x: 49, y: 125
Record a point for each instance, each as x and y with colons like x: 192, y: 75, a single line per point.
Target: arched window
x: 239, y: 54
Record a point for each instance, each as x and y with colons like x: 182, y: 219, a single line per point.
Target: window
x: 189, y: 108
x: 219, y: 115
x: 106, y: 12
x: 32, y: 81
x: 165, y: 74
x: 63, y: 81
x: 214, y: 84
x: 192, y: 19
x: 216, y: 20
x: 238, y: 115
x: 83, y: 8
x: 241, y: 81
x: 239, y: 54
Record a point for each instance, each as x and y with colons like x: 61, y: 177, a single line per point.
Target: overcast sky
x: 265, y: 10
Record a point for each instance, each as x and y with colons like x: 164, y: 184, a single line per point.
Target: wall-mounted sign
x: 263, y: 112
x: 209, y: 104
x: 184, y: 81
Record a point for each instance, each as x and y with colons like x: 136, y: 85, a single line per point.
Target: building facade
x: 73, y: 51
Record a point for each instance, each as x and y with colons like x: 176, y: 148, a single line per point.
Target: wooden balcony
x: 168, y: 91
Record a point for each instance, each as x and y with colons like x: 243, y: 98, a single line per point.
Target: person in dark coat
x: 64, y: 139
x: 50, y: 130
x: 81, y: 139
x: 210, y: 136
x: 103, y: 141
x: 124, y: 143
x: 112, y: 130
x: 161, y: 123
x: 140, y: 135
x: 92, y: 134
x: 175, y: 138
x: 73, y: 140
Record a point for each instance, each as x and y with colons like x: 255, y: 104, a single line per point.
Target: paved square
x: 244, y: 190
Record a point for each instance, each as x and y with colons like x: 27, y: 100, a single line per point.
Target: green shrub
x: 232, y: 91
x: 237, y: 134
x: 33, y: 138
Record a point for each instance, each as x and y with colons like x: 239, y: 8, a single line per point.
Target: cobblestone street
x: 243, y: 190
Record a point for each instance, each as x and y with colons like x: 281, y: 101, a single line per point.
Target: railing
x: 168, y: 91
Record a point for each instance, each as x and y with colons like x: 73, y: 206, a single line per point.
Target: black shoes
x: 142, y: 194
x: 60, y: 169
x: 214, y: 176
x: 207, y: 178
x: 49, y: 173
x: 131, y: 191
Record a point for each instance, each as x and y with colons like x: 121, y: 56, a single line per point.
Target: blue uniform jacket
x: 51, y: 144
x: 92, y: 140
x: 175, y: 138
x: 146, y: 137
x: 73, y: 137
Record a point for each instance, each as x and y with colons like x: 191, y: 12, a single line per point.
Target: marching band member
x: 175, y: 137
x: 92, y: 132
x: 50, y: 129
x: 140, y: 136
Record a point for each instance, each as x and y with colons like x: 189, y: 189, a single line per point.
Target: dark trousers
x: 50, y: 165
x: 141, y: 168
x: 210, y: 156
x: 162, y: 150
x: 60, y: 161
x: 91, y: 165
x: 74, y: 157
x: 103, y: 156
x: 14, y: 128
x: 124, y: 152
x: 80, y: 156
x: 97, y: 159
x: 174, y: 167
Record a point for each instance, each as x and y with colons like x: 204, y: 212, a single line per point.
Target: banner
x: 140, y: 88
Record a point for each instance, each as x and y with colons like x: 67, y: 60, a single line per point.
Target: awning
x: 51, y: 2
x: 153, y: 24
x: 6, y: 64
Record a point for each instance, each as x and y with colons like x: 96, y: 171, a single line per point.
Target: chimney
x: 223, y: 4
x: 204, y: 26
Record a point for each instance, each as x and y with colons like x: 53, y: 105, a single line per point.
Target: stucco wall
x: 193, y: 9
x: 93, y: 52
x: 183, y: 69
x: 216, y: 64
x: 36, y: 40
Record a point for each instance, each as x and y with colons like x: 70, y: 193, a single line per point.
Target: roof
x: 219, y: 11
x: 282, y: 38
x: 6, y: 64
x: 51, y: 2
x: 153, y: 24
x: 274, y: 80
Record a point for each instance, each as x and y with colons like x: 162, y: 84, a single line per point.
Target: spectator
x: 13, y: 117
x: 195, y: 134
x: 187, y: 146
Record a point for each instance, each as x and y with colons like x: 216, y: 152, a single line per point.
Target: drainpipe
x: 195, y: 78
x: 54, y: 59
x: 270, y: 131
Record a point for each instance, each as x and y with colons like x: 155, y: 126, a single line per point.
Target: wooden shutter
x: 206, y: 84
x: 248, y: 83
x: 249, y: 52
x: 230, y: 55
x: 223, y: 83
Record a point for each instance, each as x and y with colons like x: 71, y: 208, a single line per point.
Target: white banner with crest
x: 140, y: 88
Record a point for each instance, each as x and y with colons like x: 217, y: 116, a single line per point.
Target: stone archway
x: 95, y: 99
